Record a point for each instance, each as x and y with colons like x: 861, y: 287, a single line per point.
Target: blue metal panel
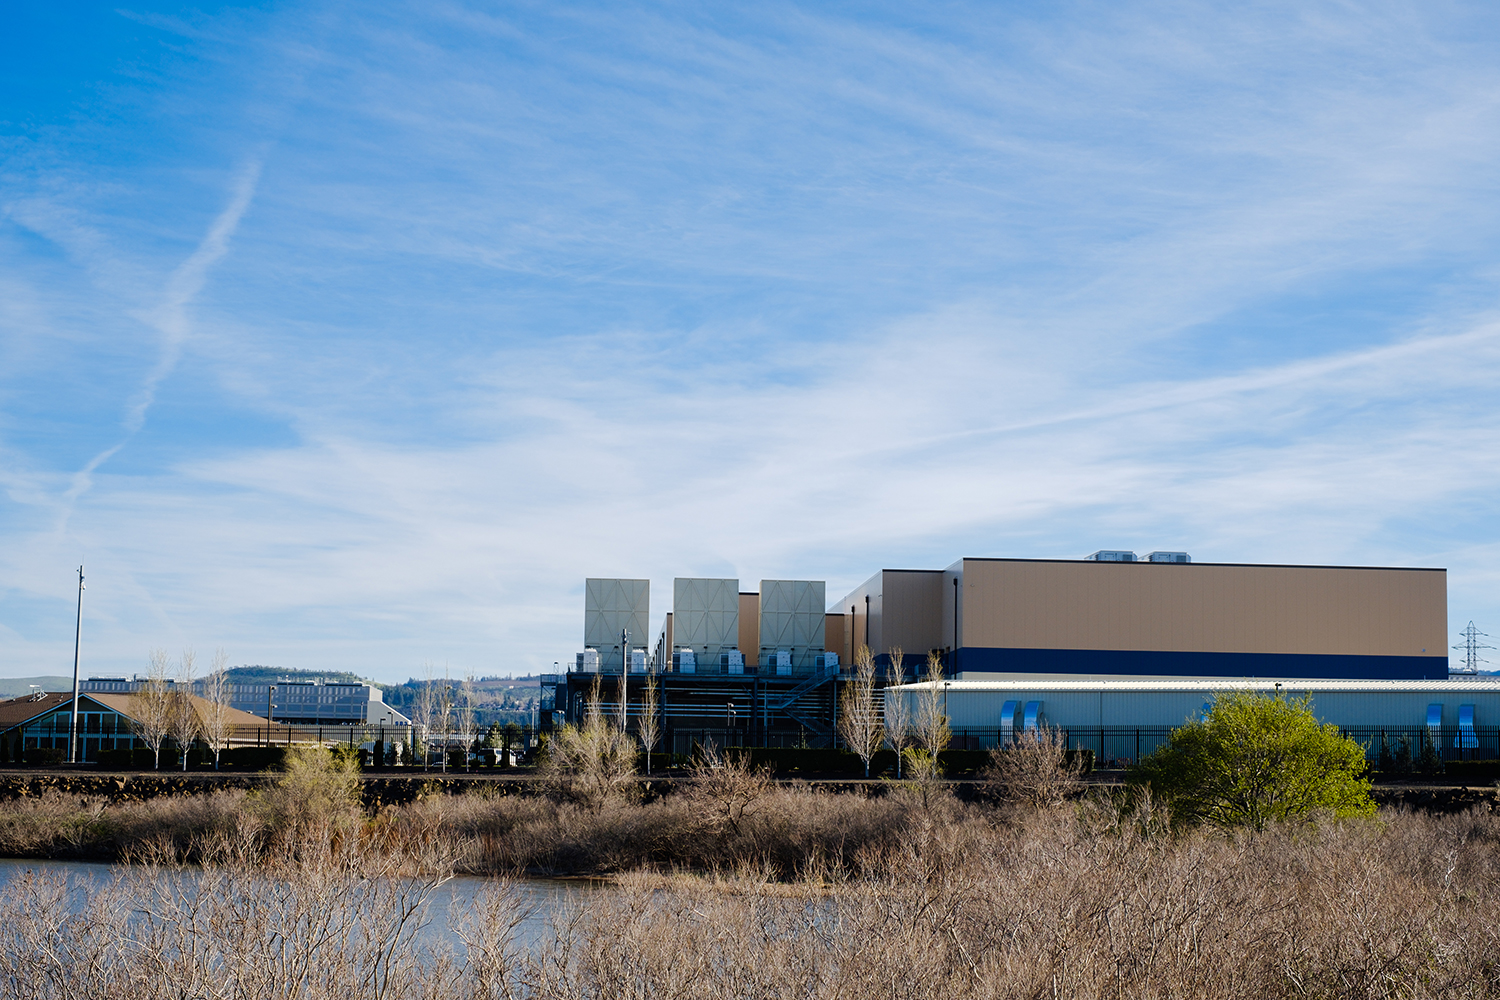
x: 1033, y: 710
x: 1008, y: 722
x: 1174, y: 663
x: 1466, y: 739
x: 1435, y: 716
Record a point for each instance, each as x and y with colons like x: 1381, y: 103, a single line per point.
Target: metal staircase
x: 805, y: 716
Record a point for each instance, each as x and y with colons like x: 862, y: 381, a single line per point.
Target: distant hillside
x: 14, y: 687
x: 256, y: 674
x: 495, y: 699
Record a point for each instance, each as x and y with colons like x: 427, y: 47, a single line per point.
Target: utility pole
x: 624, y: 678
x: 1471, y: 647
x: 77, y: 636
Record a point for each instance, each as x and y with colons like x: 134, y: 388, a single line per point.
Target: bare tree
x: 930, y: 723
x: 182, y: 714
x: 421, y: 714
x: 463, y: 712
x: 859, y: 722
x: 725, y: 787
x: 1036, y: 768
x: 897, y: 712
x: 213, y: 721
x: 150, y: 709
x: 648, y: 727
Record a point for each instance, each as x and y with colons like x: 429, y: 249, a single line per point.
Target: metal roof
x: 1290, y: 684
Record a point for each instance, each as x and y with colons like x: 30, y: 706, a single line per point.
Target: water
x: 538, y: 899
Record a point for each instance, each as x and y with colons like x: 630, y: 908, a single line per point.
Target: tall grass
x: 965, y: 902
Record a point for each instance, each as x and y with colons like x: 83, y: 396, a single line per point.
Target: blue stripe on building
x: 1195, y: 664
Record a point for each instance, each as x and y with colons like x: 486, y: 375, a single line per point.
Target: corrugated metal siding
x: 1082, y: 706
x: 610, y: 605
x: 705, y: 613
x: 791, y: 617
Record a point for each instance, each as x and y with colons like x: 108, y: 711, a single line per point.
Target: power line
x: 1471, y: 647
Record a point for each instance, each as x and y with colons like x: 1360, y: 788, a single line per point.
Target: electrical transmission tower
x: 1471, y: 647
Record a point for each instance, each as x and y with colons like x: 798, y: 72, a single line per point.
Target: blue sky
x: 356, y: 336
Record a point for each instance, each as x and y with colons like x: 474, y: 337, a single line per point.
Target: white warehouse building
x: 1122, y: 718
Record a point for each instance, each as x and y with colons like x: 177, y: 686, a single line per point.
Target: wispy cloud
x: 539, y: 294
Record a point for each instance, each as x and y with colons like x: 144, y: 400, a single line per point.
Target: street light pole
x: 77, y: 636
x: 624, y: 679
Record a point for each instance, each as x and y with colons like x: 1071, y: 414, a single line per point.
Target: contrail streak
x: 170, y: 318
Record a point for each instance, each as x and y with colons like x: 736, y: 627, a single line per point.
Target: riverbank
x: 379, y: 789
x: 965, y: 903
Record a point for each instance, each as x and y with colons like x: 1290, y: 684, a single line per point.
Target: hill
x: 257, y: 674
x: 14, y: 687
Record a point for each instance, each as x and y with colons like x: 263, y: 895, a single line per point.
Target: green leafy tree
x: 1258, y: 759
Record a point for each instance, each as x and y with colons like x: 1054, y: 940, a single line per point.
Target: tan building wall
x: 1206, y: 607
x: 749, y: 626
x: 836, y: 636
x: 905, y: 610
x: 912, y: 612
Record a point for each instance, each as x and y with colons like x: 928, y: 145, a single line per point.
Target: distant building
x: 302, y: 703
x: 733, y: 668
x: 41, y: 722
x: 1108, y: 615
x: 761, y: 668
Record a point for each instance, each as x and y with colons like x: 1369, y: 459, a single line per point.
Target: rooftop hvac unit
x: 685, y: 661
x: 1111, y: 555
x: 783, y: 663
x: 1169, y: 557
x: 637, y: 661
x: 829, y: 662
x: 734, y: 662
x: 588, y: 661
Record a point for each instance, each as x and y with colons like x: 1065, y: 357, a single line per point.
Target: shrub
x: 592, y: 763
x: 725, y: 786
x: 348, y: 758
x: 316, y: 801
x: 1036, y: 768
x: 794, y: 760
x: 139, y: 759
x: 1258, y: 759
x: 44, y: 756
x: 1472, y: 772
x: 253, y: 758
x: 1429, y: 760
